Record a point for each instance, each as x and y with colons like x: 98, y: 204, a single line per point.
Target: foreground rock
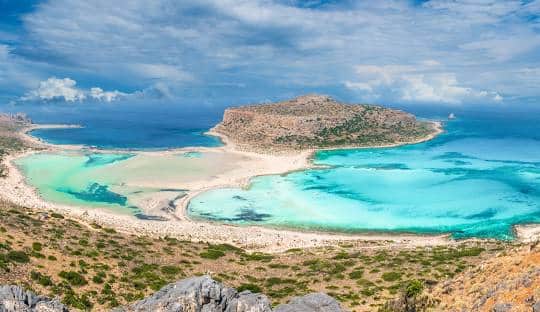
x: 316, y: 121
x: 16, y: 299
x: 205, y: 294
x: 318, y: 302
x: 196, y: 294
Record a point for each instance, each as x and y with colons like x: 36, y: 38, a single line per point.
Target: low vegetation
x: 92, y: 267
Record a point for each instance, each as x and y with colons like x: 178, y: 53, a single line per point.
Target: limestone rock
x: 200, y: 294
x: 196, y: 294
x: 502, y: 307
x: 16, y: 299
x: 317, y: 302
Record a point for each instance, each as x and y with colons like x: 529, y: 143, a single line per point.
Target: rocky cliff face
x: 316, y: 121
x: 16, y: 299
x: 196, y: 294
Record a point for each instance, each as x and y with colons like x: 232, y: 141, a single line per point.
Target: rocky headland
x: 319, y: 122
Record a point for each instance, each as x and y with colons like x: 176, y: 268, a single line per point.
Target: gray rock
x: 16, y: 299
x: 536, y: 307
x: 200, y: 294
x: 317, y: 302
x: 196, y: 294
x: 502, y: 307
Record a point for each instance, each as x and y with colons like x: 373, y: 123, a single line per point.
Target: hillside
x: 509, y: 281
x: 91, y: 267
x: 315, y: 121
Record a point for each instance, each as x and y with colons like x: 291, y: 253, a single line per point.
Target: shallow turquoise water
x: 477, y: 179
x: 77, y: 179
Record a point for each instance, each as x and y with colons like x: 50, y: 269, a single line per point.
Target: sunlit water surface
x: 478, y: 179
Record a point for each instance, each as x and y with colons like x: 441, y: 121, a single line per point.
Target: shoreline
x: 181, y: 226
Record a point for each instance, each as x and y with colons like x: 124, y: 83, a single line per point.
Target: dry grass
x: 103, y: 268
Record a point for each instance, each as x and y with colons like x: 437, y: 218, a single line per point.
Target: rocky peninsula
x: 319, y: 122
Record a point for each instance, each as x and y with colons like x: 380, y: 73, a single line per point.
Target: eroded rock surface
x: 16, y: 299
x: 318, y: 302
x: 203, y: 294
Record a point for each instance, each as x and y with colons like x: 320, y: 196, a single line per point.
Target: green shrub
x: 212, y: 254
x: 80, y: 302
x: 99, y: 278
x: 41, y: 279
x: 224, y: 248
x: 391, y: 276
x: 73, y: 278
x: 170, y: 269
x: 251, y: 287
x: 414, y: 288
x: 36, y: 246
x: 258, y: 256
x: 57, y: 215
x: 356, y: 274
x: 18, y: 256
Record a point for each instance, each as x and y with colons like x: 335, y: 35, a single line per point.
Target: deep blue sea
x: 476, y: 180
x: 124, y: 127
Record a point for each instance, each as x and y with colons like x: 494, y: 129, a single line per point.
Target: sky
x: 225, y: 52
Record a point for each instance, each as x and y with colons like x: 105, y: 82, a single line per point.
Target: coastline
x: 15, y: 189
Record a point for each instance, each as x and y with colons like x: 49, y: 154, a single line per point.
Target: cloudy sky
x: 463, y: 52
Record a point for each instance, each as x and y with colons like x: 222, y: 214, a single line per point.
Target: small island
x: 319, y: 122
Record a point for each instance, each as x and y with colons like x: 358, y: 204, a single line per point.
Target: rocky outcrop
x: 196, y: 294
x: 317, y: 302
x: 205, y: 294
x: 317, y: 121
x: 16, y: 299
x: 200, y: 294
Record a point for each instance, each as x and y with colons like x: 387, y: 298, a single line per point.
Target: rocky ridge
x: 196, y: 294
x: 317, y: 121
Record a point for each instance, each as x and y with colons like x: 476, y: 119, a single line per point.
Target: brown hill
x: 507, y: 282
x: 316, y: 121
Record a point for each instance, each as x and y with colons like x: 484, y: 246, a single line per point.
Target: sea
x: 477, y: 179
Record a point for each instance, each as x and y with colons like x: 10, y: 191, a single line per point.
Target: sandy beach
x: 245, y: 166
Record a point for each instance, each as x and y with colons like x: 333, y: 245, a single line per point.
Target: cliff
x: 316, y: 121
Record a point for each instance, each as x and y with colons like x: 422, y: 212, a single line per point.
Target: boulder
x: 200, y: 294
x: 502, y: 307
x: 317, y: 302
x: 16, y: 299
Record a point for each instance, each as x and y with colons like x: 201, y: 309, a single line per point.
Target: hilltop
x: 318, y: 121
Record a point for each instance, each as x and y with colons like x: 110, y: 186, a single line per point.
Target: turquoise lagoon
x: 476, y: 180
x: 77, y: 179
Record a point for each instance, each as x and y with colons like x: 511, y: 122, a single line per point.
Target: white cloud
x: 107, y: 96
x: 271, y: 46
x: 54, y: 89
x: 504, y: 49
x: 161, y: 71
x: 415, y: 84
